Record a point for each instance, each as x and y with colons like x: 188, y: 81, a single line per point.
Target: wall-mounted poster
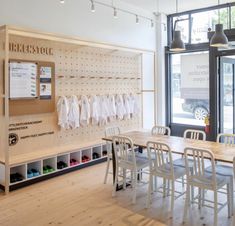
x: 45, y: 82
x: 23, y: 80
x: 45, y: 91
x: 45, y: 74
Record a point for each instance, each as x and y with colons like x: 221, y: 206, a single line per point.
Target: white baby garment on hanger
x: 74, y: 113
x: 112, y: 107
x: 94, y: 104
x: 62, y: 111
x: 85, y: 111
x: 104, y: 110
x: 126, y: 102
x: 119, y: 106
x: 136, y: 106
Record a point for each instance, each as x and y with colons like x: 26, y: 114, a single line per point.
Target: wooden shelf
x: 50, y: 152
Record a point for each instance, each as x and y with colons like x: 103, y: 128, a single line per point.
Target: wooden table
x: 222, y: 152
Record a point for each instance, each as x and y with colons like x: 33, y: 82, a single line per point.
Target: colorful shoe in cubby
x: 50, y: 169
x: 73, y: 162
x: 13, y: 178
x: 85, y: 158
x: 61, y: 165
x: 35, y: 172
x: 19, y: 177
x: 95, y: 155
x: 30, y: 174
x: 105, y: 153
x: 45, y: 170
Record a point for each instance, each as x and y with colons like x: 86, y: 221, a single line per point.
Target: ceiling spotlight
x: 152, y: 24
x: 115, y: 13
x: 92, y: 6
x: 137, y: 19
x: 62, y: 1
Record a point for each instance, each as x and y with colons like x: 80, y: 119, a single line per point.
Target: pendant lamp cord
x: 218, y: 12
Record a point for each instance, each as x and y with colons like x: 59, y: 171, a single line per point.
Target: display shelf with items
x: 96, y: 152
x: 49, y: 165
x: 75, y: 158
x: 18, y: 174
x: 104, y: 150
x: 62, y: 162
x: 34, y: 169
x: 86, y: 155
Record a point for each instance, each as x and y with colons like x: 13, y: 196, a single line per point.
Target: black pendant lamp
x: 219, y: 39
x: 177, y: 44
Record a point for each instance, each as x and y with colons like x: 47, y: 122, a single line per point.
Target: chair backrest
x: 161, y: 130
x: 228, y: 139
x: 112, y: 131
x: 200, y: 158
x: 109, y: 132
x: 160, y: 157
x: 124, y: 151
x: 195, y: 134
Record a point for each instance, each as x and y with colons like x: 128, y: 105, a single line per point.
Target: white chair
x: 225, y: 170
x: 200, y: 178
x: 109, y: 132
x: 126, y: 160
x: 162, y: 167
x: 191, y: 134
x: 161, y: 130
x: 195, y: 134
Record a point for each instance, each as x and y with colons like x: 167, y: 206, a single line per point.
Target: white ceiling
x: 168, y: 6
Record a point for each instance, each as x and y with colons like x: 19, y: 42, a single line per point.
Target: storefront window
x: 190, y: 88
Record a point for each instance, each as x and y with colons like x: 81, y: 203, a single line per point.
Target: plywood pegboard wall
x: 79, y: 70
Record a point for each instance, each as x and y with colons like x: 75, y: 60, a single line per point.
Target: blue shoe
x: 35, y: 172
x: 29, y: 174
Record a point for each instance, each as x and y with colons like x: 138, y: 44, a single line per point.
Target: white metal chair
x: 228, y: 140
x: 199, y: 177
x: 126, y: 160
x: 195, y: 134
x: 109, y: 132
x: 191, y: 134
x: 161, y: 130
x: 162, y: 167
x: 157, y: 130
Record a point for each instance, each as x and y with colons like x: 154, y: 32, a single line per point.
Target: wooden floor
x: 80, y: 198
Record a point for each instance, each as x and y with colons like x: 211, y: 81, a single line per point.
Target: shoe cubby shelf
x: 52, y: 164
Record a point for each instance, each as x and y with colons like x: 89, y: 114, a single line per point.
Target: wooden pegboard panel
x: 79, y: 70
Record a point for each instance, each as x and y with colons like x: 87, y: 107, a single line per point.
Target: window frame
x: 178, y: 129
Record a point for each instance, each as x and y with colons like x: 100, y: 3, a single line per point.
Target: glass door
x: 227, y: 98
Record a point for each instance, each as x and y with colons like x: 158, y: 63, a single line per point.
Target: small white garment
x: 104, y: 110
x: 94, y: 104
x: 62, y: 111
x: 126, y: 102
x: 74, y: 113
x: 85, y: 111
x: 119, y: 106
x: 135, y: 104
x: 111, y: 108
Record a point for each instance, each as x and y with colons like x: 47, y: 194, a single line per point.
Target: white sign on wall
x: 23, y: 80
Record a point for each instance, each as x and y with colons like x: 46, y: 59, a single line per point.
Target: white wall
x: 75, y: 18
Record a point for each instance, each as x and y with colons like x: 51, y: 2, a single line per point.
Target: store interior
x: 83, y: 81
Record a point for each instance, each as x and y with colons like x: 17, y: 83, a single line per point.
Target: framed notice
x: 23, y: 80
x: 32, y: 87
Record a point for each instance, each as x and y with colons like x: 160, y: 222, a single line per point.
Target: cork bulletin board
x: 41, y: 103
